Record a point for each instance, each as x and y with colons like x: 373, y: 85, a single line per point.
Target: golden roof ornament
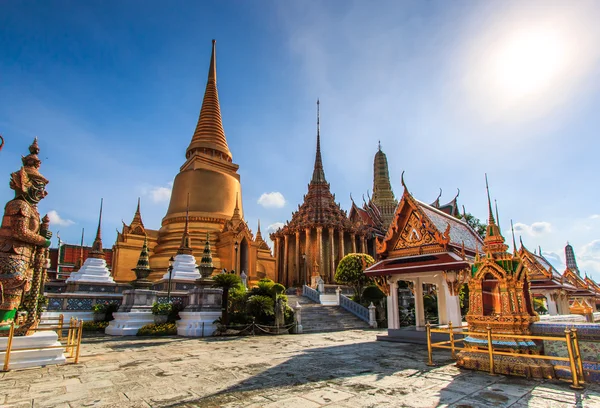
x: 97, y: 251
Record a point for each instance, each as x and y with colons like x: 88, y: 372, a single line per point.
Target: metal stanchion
x: 574, y: 373
x: 577, y: 351
x: 11, y: 334
x: 452, y: 340
x: 61, y: 319
x: 79, y: 334
x: 490, y: 349
x: 429, y: 348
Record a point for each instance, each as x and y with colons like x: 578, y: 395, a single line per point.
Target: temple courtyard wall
x: 340, y: 369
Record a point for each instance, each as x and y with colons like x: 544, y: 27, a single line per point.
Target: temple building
x: 210, y: 179
x: 319, y: 234
x: 430, y: 250
x: 584, y: 299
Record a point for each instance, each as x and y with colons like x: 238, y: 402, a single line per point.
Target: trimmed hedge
x: 164, y: 329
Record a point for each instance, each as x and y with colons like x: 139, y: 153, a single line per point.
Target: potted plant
x: 161, y: 312
x: 99, y: 310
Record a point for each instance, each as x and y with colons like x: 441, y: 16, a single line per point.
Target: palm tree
x: 226, y: 281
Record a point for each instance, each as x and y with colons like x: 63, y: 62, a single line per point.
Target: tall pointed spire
x: 97, y: 251
x: 258, y: 234
x: 496, y: 207
x: 79, y: 262
x: 209, y: 136
x: 142, y: 269
x: 491, y: 214
x: 186, y: 246
x: 318, y: 172
x: 512, y: 228
x: 493, y: 241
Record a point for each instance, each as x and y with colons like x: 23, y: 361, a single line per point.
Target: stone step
x: 319, y: 318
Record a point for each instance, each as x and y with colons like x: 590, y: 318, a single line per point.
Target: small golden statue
x: 24, y: 240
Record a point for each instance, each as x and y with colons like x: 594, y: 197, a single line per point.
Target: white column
x: 552, y: 306
x: 392, y: 306
x: 452, y: 306
x: 419, y: 307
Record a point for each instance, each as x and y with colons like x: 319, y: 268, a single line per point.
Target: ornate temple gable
x: 574, y: 279
x: 537, y: 270
x: 412, y: 232
x: 136, y: 227
x: 592, y: 285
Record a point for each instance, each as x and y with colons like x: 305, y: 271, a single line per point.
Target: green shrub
x: 165, y: 329
x: 372, y: 294
x: 289, y: 315
x: 94, y: 326
x: 99, y: 308
x: 162, y: 308
x: 261, y: 307
x: 174, y: 313
x: 350, y: 271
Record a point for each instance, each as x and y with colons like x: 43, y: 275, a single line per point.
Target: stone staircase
x: 318, y: 318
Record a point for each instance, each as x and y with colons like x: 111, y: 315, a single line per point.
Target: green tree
x: 226, y: 281
x: 350, y: 271
x: 475, y: 223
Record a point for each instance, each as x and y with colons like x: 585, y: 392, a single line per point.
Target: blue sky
x: 453, y: 90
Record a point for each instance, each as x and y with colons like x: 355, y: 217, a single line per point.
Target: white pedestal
x: 197, y: 324
x: 93, y: 270
x: 52, y: 317
x: 184, y: 268
x: 33, y: 358
x: 128, y: 323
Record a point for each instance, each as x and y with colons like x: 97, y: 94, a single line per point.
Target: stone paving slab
x: 339, y: 369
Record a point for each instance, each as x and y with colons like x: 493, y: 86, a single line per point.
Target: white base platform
x: 197, y: 324
x: 93, y: 270
x: 128, y: 323
x: 51, y: 317
x: 33, y: 358
x: 184, y: 269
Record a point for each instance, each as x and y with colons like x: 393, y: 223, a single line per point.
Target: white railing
x: 310, y: 293
x: 355, y: 308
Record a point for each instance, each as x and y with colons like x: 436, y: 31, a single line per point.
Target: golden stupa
x: 211, y: 181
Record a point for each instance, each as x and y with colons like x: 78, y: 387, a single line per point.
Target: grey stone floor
x: 338, y: 369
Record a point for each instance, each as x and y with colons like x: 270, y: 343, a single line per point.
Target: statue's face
x: 36, y: 192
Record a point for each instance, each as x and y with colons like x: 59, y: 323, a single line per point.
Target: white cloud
x: 158, y: 194
x: 56, y: 219
x: 275, y: 226
x: 272, y: 200
x: 595, y: 216
x: 535, y: 230
x: 589, y: 258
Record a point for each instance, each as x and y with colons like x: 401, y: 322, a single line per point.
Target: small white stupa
x: 184, y: 264
x: 94, y: 268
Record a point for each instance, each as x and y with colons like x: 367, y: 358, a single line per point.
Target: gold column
x: 331, y: 256
x: 277, y: 255
x: 285, y: 259
x: 308, y: 261
x: 353, y: 237
x: 341, y: 244
x: 363, y: 244
x: 320, y: 248
x: 297, y: 271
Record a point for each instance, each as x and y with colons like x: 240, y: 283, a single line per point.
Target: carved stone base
x: 508, y: 365
x: 197, y: 324
x: 128, y: 323
x: 33, y: 358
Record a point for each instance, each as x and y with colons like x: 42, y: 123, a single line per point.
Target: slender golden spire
x: 497, y: 216
x: 97, y: 251
x: 318, y: 172
x: 258, y: 234
x: 186, y: 245
x: 236, y: 210
x: 491, y: 215
x: 209, y: 136
x: 80, y: 260
x: 512, y: 228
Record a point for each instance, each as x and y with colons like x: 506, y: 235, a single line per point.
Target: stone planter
x: 99, y: 317
x: 160, y: 319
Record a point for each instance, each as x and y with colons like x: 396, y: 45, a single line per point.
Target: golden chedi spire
x: 97, y: 251
x: 383, y: 195
x: 186, y: 244
x: 210, y: 135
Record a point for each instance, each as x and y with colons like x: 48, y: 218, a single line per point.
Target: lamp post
x: 235, y: 246
x: 171, y: 260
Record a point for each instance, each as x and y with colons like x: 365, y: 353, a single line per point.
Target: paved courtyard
x: 340, y: 369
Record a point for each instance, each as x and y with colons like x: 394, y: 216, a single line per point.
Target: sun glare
x: 528, y: 62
